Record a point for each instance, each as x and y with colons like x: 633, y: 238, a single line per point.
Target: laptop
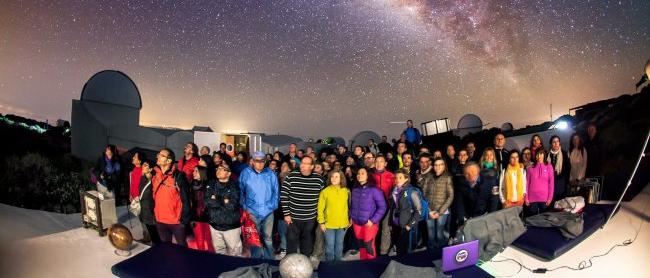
x: 459, y: 256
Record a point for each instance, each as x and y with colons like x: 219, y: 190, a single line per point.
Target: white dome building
x: 469, y: 123
x: 108, y: 112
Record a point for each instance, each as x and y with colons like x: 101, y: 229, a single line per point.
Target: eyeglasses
x: 223, y: 169
x: 258, y: 160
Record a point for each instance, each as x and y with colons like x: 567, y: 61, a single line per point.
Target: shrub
x: 37, y: 182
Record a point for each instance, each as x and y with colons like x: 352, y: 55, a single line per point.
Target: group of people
x: 376, y: 199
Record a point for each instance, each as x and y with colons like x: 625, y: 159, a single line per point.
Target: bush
x: 34, y: 181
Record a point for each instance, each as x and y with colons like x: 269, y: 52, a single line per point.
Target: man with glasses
x: 369, y: 160
x: 299, y: 199
x: 259, y: 197
x: 171, y: 199
x: 223, y: 210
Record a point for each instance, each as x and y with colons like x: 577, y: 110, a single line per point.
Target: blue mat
x: 167, y: 260
x: 374, y: 268
x: 548, y: 243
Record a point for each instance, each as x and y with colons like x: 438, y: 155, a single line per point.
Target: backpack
x: 423, y: 202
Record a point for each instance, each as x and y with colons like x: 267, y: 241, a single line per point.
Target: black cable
x: 583, y: 264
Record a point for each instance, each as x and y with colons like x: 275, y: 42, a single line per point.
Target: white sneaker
x: 281, y: 255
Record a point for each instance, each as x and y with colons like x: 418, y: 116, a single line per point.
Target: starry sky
x: 325, y: 68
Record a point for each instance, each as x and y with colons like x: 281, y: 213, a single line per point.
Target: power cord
x: 583, y: 264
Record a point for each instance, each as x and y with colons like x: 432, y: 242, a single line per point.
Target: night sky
x: 324, y: 68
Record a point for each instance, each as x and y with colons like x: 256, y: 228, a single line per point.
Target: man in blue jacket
x: 259, y: 197
x: 413, y: 135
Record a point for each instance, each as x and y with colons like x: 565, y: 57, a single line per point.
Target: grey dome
x: 470, y: 121
x: 506, y: 127
x: 112, y: 87
x: 362, y: 137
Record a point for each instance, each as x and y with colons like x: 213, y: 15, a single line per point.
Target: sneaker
x: 315, y: 262
x: 281, y: 254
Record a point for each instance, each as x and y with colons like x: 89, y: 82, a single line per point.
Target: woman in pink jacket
x: 539, y: 184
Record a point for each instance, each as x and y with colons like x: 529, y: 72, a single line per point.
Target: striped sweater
x: 299, y: 195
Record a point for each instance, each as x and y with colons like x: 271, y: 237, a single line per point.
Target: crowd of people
x: 375, y: 200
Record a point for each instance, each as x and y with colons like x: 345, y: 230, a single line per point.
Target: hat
x: 259, y: 155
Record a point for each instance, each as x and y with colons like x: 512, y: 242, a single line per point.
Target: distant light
x: 562, y: 125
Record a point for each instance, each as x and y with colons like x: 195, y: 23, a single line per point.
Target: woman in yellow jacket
x: 333, y: 204
x: 512, y: 183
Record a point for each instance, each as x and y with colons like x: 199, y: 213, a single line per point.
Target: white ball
x: 296, y: 266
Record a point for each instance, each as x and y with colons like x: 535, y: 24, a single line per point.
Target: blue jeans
x: 435, y: 230
x: 334, y: 244
x: 265, y: 229
x: 282, y: 231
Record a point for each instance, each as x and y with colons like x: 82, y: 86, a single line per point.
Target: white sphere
x: 296, y: 266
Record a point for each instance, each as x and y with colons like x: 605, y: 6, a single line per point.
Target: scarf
x: 557, y: 156
x: 514, y: 191
x: 426, y: 171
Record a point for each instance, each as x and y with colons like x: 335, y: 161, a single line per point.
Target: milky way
x: 487, y: 31
x: 324, y: 68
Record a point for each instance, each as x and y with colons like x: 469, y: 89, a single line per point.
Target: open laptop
x: 459, y: 256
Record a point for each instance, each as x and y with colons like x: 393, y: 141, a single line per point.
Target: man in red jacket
x: 171, y: 198
x: 385, y: 181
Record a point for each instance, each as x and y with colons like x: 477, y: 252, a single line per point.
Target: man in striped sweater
x: 299, y: 200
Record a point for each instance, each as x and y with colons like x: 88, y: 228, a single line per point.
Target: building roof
x: 202, y: 128
x: 165, y: 131
x: 280, y: 140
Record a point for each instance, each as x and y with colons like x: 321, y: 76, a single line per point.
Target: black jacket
x: 490, y: 178
x: 476, y: 200
x: 565, y: 173
x: 393, y: 164
x: 223, y: 216
x: 385, y: 148
x: 406, y: 213
x: 110, y: 180
x: 503, y: 158
x: 146, y: 202
x: 595, y: 152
